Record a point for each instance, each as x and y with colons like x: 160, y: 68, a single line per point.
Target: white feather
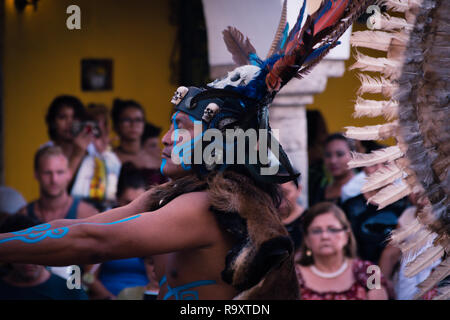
x: 377, y: 132
x: 373, y: 108
x: 390, y: 194
x: 382, y: 177
x: 424, y: 260
x: 376, y: 85
x: 377, y: 156
x: 400, y: 235
x: 378, y: 40
x: 388, y: 67
x: 389, y: 23
x: 400, y: 5
x: 438, y: 274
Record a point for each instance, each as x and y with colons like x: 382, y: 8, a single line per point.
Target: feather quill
x: 280, y: 31
x: 382, y: 177
x: 373, y: 108
x: 388, y: 67
x: 377, y: 132
x: 377, y: 156
x: 424, y: 260
x: 418, y: 241
x: 378, y: 40
x: 240, y: 48
x: 388, y: 23
x: 376, y: 85
x: 390, y: 194
x: 398, y: 236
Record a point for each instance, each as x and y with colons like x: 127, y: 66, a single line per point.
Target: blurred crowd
x: 98, y: 158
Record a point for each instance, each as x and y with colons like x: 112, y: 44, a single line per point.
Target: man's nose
x: 166, y: 140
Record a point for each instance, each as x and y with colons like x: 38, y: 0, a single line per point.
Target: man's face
x: 181, y: 122
x: 53, y: 175
x: 63, y: 123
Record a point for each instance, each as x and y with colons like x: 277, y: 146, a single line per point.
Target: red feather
x: 326, y: 29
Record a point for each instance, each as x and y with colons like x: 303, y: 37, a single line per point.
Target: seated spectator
x: 96, y: 180
x: 328, y: 268
x: 11, y: 201
x: 30, y: 281
x: 129, y: 121
x: 51, y: 170
x: 344, y: 183
x: 61, y: 116
x: 112, y: 277
x: 370, y: 225
x: 293, y: 211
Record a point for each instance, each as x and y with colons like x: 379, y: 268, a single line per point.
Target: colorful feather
x: 281, y: 33
x: 241, y: 49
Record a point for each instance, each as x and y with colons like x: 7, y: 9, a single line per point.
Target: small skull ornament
x: 240, y: 76
x: 211, y: 110
x: 179, y: 95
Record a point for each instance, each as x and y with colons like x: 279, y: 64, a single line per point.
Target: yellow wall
x: 42, y: 60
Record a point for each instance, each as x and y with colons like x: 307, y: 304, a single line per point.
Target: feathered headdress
x: 242, y: 98
x: 415, y: 82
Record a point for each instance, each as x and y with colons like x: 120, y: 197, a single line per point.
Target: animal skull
x: 238, y: 77
x: 179, y: 95
x: 211, y: 110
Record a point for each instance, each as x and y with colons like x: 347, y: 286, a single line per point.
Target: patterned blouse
x: 358, y: 290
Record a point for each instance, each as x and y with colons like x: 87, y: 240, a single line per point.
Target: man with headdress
x: 215, y: 226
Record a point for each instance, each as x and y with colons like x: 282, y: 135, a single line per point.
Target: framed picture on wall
x: 96, y: 74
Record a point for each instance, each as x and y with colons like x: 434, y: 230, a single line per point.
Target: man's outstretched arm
x: 139, y: 205
x: 184, y: 223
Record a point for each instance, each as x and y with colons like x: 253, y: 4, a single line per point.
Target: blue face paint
x: 38, y: 233
x: 184, y: 150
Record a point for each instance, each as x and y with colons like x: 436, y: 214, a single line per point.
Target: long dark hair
x: 55, y: 107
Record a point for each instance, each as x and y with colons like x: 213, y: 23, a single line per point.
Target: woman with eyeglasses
x: 129, y: 121
x: 328, y: 268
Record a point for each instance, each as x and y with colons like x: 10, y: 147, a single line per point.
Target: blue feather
x: 255, y: 60
x: 317, y: 52
x: 298, y: 24
x: 285, y: 35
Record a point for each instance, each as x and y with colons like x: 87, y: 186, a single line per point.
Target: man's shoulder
x: 198, y: 200
x: 85, y: 210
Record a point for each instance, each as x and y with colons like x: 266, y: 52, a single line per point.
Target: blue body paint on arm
x: 38, y: 233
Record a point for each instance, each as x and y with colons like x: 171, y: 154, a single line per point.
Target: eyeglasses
x: 332, y: 231
x: 130, y: 121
